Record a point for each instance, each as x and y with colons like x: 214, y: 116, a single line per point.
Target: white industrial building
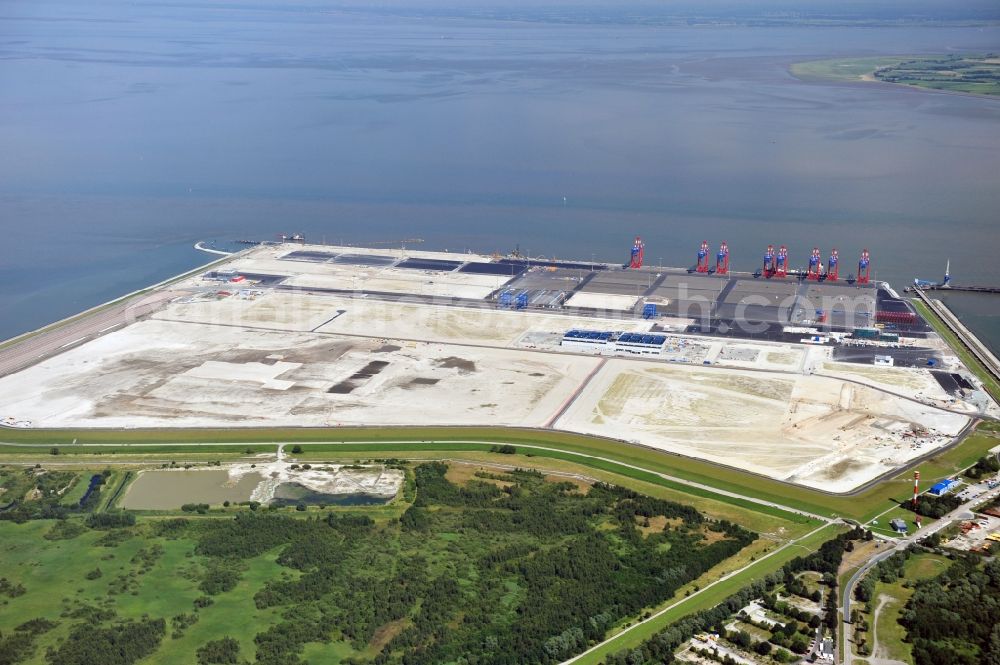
x: 617, y: 343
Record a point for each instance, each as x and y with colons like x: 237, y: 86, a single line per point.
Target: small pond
x: 169, y: 489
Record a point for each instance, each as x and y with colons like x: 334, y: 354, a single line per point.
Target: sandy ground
x: 907, y: 380
x: 275, y: 358
x: 376, y: 318
x: 812, y: 430
x: 306, y: 274
x: 770, y: 356
x: 403, y: 281
x: 326, y: 479
x: 158, y: 373
x: 275, y: 251
x: 274, y: 310
x: 457, y: 324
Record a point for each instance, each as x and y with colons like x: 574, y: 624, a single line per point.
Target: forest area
x: 502, y: 568
x: 954, y: 618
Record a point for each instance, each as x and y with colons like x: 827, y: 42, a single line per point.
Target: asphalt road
x: 902, y: 544
x: 73, y: 332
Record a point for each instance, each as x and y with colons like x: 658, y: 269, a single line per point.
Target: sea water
x: 132, y: 130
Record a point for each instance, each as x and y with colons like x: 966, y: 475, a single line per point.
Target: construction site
x: 802, y: 375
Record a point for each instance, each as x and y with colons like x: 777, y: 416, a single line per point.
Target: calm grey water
x: 129, y: 130
x: 979, y: 312
x: 169, y: 489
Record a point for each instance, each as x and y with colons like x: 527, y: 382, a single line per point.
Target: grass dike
x: 633, y: 461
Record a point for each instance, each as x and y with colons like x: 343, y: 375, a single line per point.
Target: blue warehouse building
x: 943, y: 487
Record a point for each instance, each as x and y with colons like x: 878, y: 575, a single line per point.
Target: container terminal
x: 815, y: 375
x: 776, y: 302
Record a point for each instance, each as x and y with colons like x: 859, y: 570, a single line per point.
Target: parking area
x: 620, y: 282
x: 980, y: 534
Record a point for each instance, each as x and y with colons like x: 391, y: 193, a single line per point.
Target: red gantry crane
x: 815, y: 265
x: 864, y: 267
x: 722, y: 260
x: 638, y: 249
x: 832, y: 267
x: 702, y: 257
x: 769, y: 261
x: 781, y: 262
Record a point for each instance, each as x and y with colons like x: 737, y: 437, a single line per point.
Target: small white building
x: 223, y: 275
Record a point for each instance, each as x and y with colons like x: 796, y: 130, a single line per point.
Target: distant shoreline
x: 863, y: 70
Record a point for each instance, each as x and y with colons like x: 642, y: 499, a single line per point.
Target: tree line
x: 532, y: 572
x: 659, y: 650
x: 954, y: 618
